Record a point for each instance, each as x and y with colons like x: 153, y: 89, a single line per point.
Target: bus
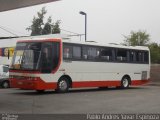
x: 53, y: 63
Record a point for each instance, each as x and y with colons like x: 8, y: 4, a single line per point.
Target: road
x: 143, y: 99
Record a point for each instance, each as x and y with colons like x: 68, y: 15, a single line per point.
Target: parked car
x: 4, y: 76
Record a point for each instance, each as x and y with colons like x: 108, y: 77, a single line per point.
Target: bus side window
x: 146, y: 59
x: 76, y: 52
x: 67, y: 52
x: 139, y: 57
x: 121, y: 55
x: 56, y: 54
x: 90, y: 53
x: 106, y: 54
x: 85, y: 53
x: 132, y: 56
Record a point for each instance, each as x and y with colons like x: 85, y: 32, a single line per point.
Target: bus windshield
x: 27, y: 56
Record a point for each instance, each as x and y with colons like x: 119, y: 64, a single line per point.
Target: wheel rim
x: 125, y: 82
x: 5, y: 85
x: 63, y: 85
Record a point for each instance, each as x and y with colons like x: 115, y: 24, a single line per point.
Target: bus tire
x: 63, y: 85
x: 125, y: 82
x: 5, y: 84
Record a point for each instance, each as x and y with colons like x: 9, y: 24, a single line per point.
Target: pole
x: 85, y: 27
x: 83, y: 13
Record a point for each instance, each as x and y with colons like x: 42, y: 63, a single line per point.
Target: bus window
x: 131, y: 56
x: 121, y: 55
x: 76, y: 52
x: 90, y: 53
x: 85, y: 53
x: 56, y: 53
x: 139, y: 56
x: 146, y: 59
x: 47, y: 57
x: 31, y: 56
x: 67, y: 52
x: 106, y: 54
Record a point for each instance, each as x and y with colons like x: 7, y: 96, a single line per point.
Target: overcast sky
x: 108, y: 20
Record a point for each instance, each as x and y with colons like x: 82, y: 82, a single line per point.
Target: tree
x: 140, y: 38
x: 47, y: 27
x: 38, y: 26
x: 50, y: 27
x: 56, y: 27
x: 155, y: 52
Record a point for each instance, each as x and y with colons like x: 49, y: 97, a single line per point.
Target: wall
x: 155, y: 72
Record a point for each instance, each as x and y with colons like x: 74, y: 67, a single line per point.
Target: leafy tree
x: 140, y: 38
x: 38, y: 26
x: 56, y: 27
x: 155, y: 52
x: 50, y: 27
x: 47, y: 27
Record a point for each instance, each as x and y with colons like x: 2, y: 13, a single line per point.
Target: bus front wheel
x: 125, y: 82
x: 5, y: 84
x: 63, y: 85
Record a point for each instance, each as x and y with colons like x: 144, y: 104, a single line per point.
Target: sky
x: 107, y: 20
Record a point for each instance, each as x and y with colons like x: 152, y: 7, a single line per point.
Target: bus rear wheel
x: 125, y: 82
x: 63, y: 85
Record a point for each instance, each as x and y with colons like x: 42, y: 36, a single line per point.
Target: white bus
x: 58, y: 64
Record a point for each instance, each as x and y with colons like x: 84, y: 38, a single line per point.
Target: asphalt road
x: 143, y: 99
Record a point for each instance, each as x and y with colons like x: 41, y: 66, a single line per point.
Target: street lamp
x: 83, y: 13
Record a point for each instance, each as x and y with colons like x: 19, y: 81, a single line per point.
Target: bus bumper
x: 37, y: 84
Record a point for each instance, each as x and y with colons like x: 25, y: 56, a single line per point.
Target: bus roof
x: 68, y: 39
x: 92, y: 43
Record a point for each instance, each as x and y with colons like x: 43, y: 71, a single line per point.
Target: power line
x: 70, y: 32
x: 76, y: 34
x: 15, y: 31
x: 8, y: 31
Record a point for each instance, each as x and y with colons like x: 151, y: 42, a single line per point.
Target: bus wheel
x: 63, y: 85
x: 125, y: 82
x: 5, y: 84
